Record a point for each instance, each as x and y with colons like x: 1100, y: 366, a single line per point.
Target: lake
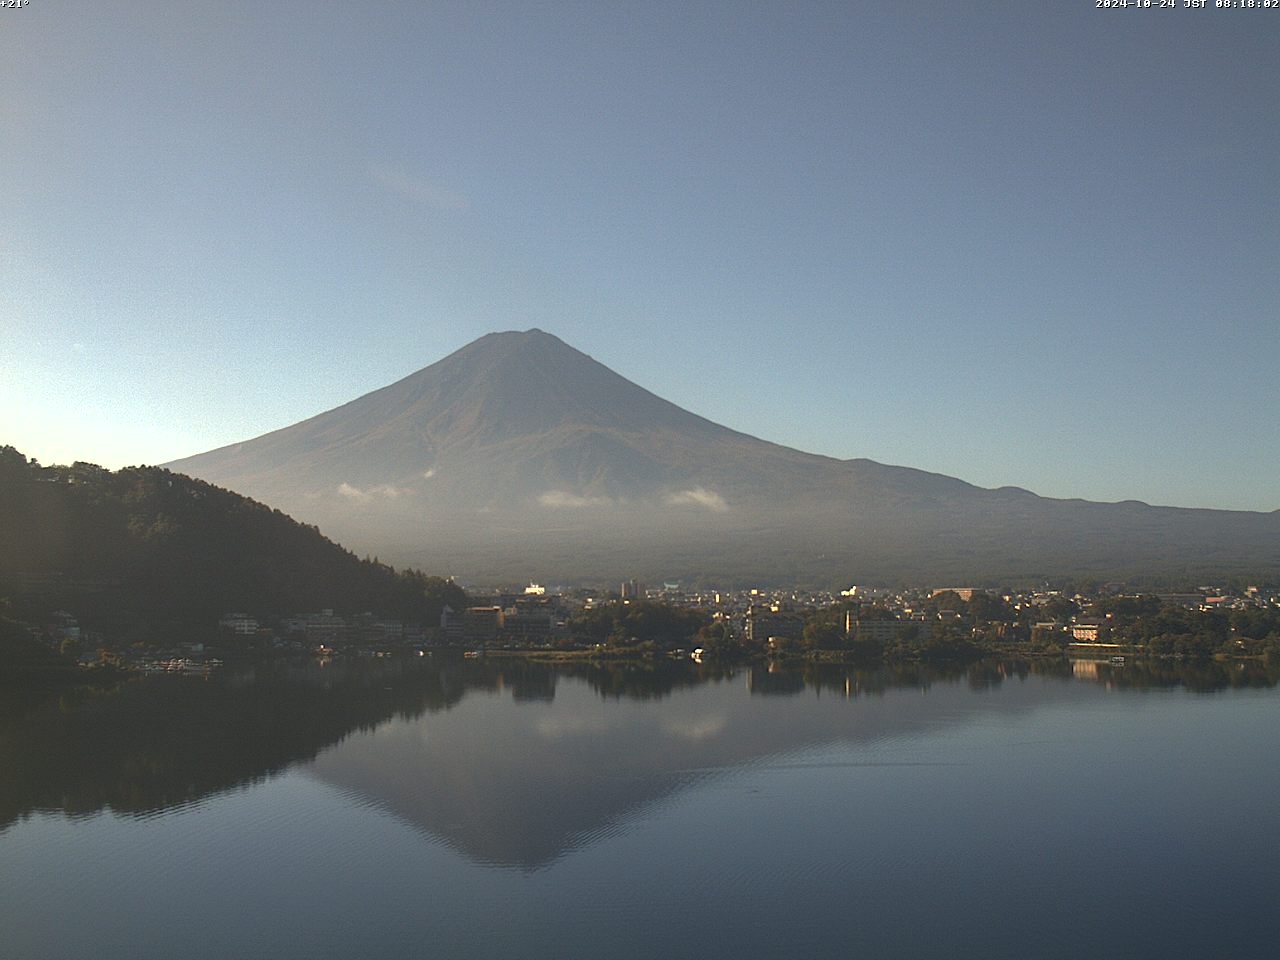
x: 508, y: 809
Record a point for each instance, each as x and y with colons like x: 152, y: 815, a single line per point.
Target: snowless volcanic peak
x: 512, y: 420
x: 520, y: 456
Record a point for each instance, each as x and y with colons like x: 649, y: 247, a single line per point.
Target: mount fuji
x: 518, y: 456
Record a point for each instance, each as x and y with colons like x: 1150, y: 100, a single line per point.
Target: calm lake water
x: 510, y: 810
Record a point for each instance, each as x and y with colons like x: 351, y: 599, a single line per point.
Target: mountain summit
x: 511, y: 421
x: 518, y: 455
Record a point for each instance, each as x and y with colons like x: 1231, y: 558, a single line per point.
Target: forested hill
x: 143, y: 550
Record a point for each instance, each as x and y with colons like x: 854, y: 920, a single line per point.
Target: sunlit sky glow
x: 1031, y: 244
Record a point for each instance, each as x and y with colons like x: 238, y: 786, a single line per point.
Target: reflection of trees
x: 985, y: 676
x: 643, y: 680
x: 846, y: 680
x: 166, y: 742
x: 1198, y: 676
x: 774, y: 681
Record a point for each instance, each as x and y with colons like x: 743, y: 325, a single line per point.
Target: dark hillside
x: 142, y: 550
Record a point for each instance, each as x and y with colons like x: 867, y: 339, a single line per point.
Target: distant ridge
x: 518, y: 455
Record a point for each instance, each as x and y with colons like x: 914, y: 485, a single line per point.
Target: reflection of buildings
x: 1084, y: 669
x: 774, y: 680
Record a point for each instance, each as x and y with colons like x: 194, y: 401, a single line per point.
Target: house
x: 1086, y: 632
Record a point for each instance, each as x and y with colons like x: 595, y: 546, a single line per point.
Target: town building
x: 764, y: 625
x: 886, y: 631
x: 240, y: 624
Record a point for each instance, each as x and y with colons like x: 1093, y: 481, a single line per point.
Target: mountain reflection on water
x: 510, y: 763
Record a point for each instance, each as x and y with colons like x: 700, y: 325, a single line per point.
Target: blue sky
x: 1030, y: 244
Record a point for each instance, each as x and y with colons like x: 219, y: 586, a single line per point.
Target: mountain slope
x: 511, y: 414
x: 521, y: 456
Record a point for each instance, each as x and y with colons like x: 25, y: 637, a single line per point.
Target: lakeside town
x: 160, y: 572
x: 671, y: 621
